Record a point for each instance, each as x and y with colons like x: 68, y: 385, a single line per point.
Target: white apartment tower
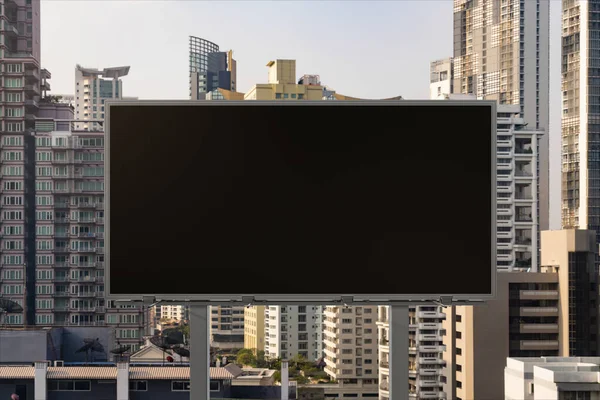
x: 351, y: 348
x: 425, y: 352
x: 516, y: 213
x: 92, y: 88
x: 441, y: 78
x: 501, y: 52
x: 293, y: 330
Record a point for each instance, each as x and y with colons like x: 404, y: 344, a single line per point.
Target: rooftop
x: 173, y: 372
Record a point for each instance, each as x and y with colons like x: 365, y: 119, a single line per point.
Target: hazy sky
x: 373, y: 49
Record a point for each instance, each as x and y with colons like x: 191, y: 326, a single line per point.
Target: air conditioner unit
x: 59, y: 363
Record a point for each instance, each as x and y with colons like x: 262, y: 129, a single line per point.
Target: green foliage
x: 246, y: 358
x: 277, y: 376
x: 301, y: 379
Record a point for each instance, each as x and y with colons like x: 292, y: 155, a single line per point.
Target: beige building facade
x: 549, y: 313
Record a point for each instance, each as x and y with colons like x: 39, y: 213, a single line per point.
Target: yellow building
x: 283, y: 85
x: 254, y: 328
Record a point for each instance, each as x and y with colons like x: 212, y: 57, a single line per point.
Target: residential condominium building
x: 517, y: 177
x: 425, y: 352
x: 57, y: 236
x: 351, y: 349
x: 227, y: 327
x: 561, y: 378
x: 254, y: 328
x: 549, y: 313
x: 210, y: 69
x: 22, y: 83
x: 581, y: 115
x: 92, y: 87
x: 292, y: 331
x: 501, y: 52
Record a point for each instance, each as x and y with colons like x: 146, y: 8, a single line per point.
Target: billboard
x: 322, y: 201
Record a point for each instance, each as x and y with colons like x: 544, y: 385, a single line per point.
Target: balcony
x: 84, y: 250
x: 32, y: 73
x: 429, y: 325
x: 61, y: 204
x: 539, y: 311
x: 538, y: 294
x: 17, y: 55
x: 384, y: 364
x: 34, y: 89
x: 538, y: 328
x: 429, y: 360
x: 61, y: 294
x: 523, y: 241
x: 83, y: 265
x: 61, y: 265
x: 83, y: 279
x: 429, y: 383
x: 86, y: 235
x: 425, y: 338
x: 432, y: 349
x: 83, y: 309
x: 539, y: 344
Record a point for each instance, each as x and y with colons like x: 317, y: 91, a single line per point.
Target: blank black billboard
x: 341, y: 198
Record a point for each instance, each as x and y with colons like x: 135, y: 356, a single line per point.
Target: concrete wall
x: 22, y: 346
x: 100, y: 391
x: 53, y: 344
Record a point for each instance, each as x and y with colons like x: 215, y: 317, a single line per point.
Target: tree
x: 277, y: 376
x: 261, y: 361
x: 302, y: 380
x: 246, y: 358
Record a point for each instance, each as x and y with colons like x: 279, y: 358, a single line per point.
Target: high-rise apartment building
x: 501, y: 52
x: 53, y: 243
x: 549, y: 313
x: 22, y: 83
x: 581, y: 115
x: 210, y: 69
x: 92, y: 88
x: 441, y: 78
x: 293, y: 330
x: 425, y: 352
x: 254, y: 328
x: 227, y: 327
x: 351, y: 349
x: 517, y: 177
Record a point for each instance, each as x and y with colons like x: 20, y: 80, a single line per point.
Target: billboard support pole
x: 200, y: 352
x: 398, y: 352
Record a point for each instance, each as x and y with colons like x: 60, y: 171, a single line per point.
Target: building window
x: 285, y: 95
x: 293, y: 95
x: 69, y: 386
x: 215, y: 386
x: 138, y: 386
x: 180, y: 386
x: 300, y: 96
x: 278, y: 95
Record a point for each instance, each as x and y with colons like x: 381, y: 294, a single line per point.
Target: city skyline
x: 340, y: 49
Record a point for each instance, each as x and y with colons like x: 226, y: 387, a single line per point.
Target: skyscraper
x: 501, y: 52
x: 210, y: 69
x: 581, y: 115
x: 23, y: 82
x: 92, y: 88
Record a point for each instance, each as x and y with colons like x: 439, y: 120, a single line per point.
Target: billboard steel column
x: 200, y: 353
x: 398, y: 352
